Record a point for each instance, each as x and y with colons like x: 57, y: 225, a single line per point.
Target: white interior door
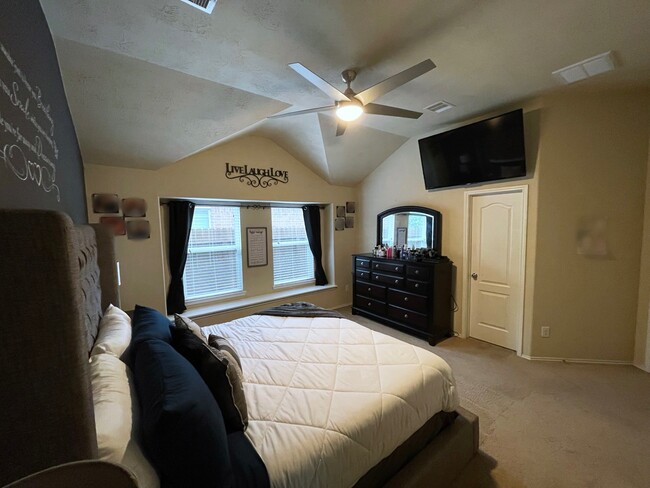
x: 496, y: 249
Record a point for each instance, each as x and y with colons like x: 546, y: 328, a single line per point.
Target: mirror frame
x: 437, y: 222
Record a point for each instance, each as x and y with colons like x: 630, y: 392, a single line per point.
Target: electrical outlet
x: 546, y: 332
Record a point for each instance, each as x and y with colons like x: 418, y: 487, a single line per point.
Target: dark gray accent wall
x: 40, y: 161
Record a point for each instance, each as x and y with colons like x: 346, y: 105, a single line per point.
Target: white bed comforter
x: 328, y: 398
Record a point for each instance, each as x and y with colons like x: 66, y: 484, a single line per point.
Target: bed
x: 329, y: 401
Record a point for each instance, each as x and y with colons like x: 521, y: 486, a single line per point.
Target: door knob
x: 474, y: 276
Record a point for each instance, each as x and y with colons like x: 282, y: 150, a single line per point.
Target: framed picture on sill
x: 401, y: 236
x: 256, y: 247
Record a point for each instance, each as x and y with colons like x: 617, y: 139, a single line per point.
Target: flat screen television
x: 489, y: 150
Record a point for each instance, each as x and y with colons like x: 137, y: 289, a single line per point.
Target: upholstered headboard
x: 55, y: 281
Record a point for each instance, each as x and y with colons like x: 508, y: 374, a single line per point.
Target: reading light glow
x: 349, y: 111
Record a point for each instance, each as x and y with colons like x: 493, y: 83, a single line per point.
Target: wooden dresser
x: 411, y: 296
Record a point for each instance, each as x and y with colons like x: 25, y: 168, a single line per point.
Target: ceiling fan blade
x: 340, y: 127
x: 300, y: 112
x: 319, y: 82
x: 374, y: 92
x: 376, y: 109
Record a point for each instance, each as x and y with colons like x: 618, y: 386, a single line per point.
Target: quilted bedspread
x: 328, y: 398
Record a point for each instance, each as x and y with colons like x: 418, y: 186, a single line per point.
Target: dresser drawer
x: 389, y: 267
x: 362, y: 274
x: 417, y: 303
x: 362, y: 263
x: 418, y: 272
x: 408, y: 317
x: 371, y: 291
x: 387, y: 279
x: 370, y: 304
x: 417, y: 286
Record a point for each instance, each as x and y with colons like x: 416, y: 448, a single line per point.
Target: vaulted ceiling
x: 150, y: 82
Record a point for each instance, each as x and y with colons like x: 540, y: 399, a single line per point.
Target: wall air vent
x: 440, y: 106
x: 203, y: 5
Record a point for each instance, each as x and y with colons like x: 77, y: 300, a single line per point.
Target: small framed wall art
x: 339, y: 223
x: 349, y: 222
x: 134, y: 207
x: 340, y: 211
x: 350, y: 207
x: 138, y: 229
x: 106, y: 203
x: 117, y: 224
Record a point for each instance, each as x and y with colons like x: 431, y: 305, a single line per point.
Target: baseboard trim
x: 342, y: 306
x: 578, y: 360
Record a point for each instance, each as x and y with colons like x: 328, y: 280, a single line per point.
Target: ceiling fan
x: 349, y: 105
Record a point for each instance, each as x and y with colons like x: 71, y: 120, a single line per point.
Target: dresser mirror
x: 418, y: 227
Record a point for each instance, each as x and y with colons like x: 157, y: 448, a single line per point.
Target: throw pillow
x: 187, y: 323
x: 182, y: 427
x: 224, y: 344
x: 149, y: 323
x: 220, y: 372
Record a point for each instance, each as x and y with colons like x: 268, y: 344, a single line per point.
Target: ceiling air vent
x: 203, y: 5
x: 586, y: 68
x: 440, y: 106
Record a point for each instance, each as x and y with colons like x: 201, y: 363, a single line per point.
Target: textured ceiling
x: 152, y: 81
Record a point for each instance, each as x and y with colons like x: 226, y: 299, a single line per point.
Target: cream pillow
x: 114, y: 334
x: 116, y: 416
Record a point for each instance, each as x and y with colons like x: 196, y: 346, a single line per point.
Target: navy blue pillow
x: 149, y: 323
x: 183, y: 430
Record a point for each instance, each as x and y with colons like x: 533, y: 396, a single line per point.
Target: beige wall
x: 588, y: 153
x: 642, y: 339
x: 594, y: 154
x: 143, y: 263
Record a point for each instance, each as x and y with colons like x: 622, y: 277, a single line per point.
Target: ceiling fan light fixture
x: 349, y: 111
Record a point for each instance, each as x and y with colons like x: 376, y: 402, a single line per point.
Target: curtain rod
x: 248, y: 205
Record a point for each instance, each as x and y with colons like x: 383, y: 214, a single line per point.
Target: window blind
x: 214, y: 256
x: 293, y: 261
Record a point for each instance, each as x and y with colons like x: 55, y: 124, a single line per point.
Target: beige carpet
x: 548, y: 424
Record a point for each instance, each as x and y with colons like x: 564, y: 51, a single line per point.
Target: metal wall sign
x: 256, y: 177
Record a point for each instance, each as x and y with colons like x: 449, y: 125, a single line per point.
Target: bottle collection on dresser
x: 405, y: 288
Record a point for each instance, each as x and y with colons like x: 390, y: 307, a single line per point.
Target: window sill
x: 252, y: 301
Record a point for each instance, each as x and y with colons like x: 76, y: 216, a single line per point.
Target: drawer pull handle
x: 376, y: 266
x: 406, y: 299
x: 369, y: 289
x: 417, y: 285
x: 417, y: 271
x: 396, y: 281
x: 406, y: 316
x: 369, y: 304
x: 396, y: 268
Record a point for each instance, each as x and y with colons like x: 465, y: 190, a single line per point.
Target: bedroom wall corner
x: 642, y: 336
x: 593, y: 168
x: 143, y: 263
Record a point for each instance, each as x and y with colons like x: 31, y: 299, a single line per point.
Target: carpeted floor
x: 547, y: 424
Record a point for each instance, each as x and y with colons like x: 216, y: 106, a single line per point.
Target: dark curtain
x: 311, y: 214
x: 180, y: 225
